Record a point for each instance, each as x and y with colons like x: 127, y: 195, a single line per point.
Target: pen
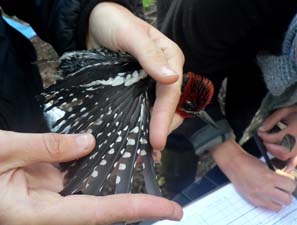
x: 263, y: 151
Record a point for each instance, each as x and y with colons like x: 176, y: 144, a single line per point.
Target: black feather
x: 106, y: 94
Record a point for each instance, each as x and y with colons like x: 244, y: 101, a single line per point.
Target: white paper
x: 226, y: 206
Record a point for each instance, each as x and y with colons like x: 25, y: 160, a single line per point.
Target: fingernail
x: 167, y: 71
x: 84, y: 141
x: 262, y: 128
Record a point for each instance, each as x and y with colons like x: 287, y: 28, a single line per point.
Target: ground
x: 48, y: 61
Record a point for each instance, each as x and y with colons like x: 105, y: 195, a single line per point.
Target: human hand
x: 29, y: 186
x: 116, y: 28
x: 272, y: 140
x: 252, y: 178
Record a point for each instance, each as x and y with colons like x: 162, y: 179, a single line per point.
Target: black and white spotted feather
x: 106, y: 94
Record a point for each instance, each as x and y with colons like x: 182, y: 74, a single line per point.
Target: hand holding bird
x: 108, y: 94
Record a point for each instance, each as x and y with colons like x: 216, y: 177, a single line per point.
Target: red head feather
x: 197, y: 92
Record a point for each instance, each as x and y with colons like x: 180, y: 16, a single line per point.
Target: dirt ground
x: 48, y: 61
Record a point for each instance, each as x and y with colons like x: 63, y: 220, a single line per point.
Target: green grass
x: 147, y: 3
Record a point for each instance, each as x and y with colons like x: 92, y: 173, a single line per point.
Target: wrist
x: 228, y: 155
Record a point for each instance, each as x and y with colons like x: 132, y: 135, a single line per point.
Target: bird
x: 109, y: 95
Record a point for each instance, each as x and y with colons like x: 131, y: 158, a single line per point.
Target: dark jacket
x: 62, y: 23
x: 220, y: 39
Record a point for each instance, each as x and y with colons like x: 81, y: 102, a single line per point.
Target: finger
x: 285, y: 174
x: 279, y: 196
x: 81, y: 210
x: 274, y: 118
x: 275, y: 137
x: 291, y: 165
x: 167, y: 98
x: 278, y: 151
x: 162, y: 114
x: 260, y: 201
x: 285, y: 181
x: 20, y: 149
x: 167, y: 95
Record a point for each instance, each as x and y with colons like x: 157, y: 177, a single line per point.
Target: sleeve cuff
x: 209, y: 136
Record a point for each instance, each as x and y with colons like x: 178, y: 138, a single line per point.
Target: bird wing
x: 106, y: 94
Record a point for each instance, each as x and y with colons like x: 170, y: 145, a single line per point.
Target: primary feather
x: 106, y: 94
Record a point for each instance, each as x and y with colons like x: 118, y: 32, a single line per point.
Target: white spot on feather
x: 122, y: 166
x: 127, y: 155
x: 143, y: 153
x: 98, y: 122
x: 111, y: 151
x: 131, y: 141
x: 95, y: 173
x: 143, y: 141
x: 93, y: 155
x: 135, y: 130
x: 103, y: 162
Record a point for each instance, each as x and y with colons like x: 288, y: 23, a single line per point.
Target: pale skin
x: 272, y: 140
x: 29, y: 185
x: 160, y: 58
x: 29, y: 182
x: 252, y: 178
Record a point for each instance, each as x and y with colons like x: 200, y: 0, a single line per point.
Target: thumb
x: 285, y: 174
x: 291, y: 165
x: 153, y: 53
x: 20, y: 149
